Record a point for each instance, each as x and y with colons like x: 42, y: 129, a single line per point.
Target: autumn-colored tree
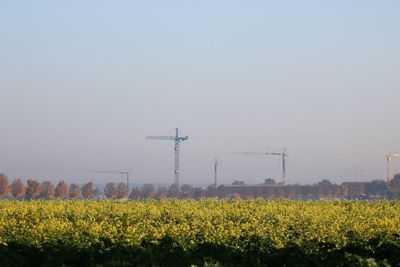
x: 18, y: 189
x: 135, y: 193
x: 61, y: 190
x: 110, y: 191
x: 4, y: 185
x: 47, y: 190
x: 186, y: 191
x: 33, y: 189
x: 74, y: 191
x: 88, y: 190
x: 337, y: 190
x: 173, y: 191
x: 148, y: 191
x: 122, y: 190
x: 161, y: 192
x: 235, y: 196
x: 289, y: 191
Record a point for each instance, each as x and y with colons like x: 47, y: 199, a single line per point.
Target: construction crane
x: 283, y: 155
x: 114, y: 172
x: 389, y: 157
x: 216, y: 163
x: 178, y: 140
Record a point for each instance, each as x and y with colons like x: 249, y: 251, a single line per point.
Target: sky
x: 83, y: 82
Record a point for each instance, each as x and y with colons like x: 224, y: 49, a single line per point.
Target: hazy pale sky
x: 83, y: 82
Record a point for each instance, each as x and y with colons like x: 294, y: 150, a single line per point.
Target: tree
x: 18, y: 189
x: 173, y: 191
x: 135, y: 193
x: 47, y: 190
x: 4, y: 185
x: 110, y: 191
x: 269, y: 181
x: 97, y: 193
x: 88, y: 190
x: 122, y: 190
x: 148, y: 191
x: 324, y: 187
x: 377, y: 187
x: 74, y: 191
x: 161, y: 193
x: 238, y: 183
x: 325, y: 182
x: 33, y: 189
x: 199, y: 193
x: 211, y: 191
x: 187, y: 191
x: 337, y: 190
x: 395, y: 183
x: 61, y: 190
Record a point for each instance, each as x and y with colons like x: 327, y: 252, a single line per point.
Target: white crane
x: 283, y: 155
x: 178, y: 140
x: 216, y: 163
x: 389, y: 157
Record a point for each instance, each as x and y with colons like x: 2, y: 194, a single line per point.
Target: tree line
x: 47, y: 190
x: 323, y: 189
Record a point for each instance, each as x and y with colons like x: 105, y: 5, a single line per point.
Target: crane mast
x: 178, y: 140
x: 215, y: 172
x: 389, y: 157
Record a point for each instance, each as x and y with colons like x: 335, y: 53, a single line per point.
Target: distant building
x: 254, y: 191
x: 354, y: 189
x: 334, y: 191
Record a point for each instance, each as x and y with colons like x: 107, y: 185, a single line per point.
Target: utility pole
x: 283, y: 155
x: 178, y: 140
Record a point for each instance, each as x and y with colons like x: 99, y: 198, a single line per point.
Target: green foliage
x: 209, y: 232
x: 269, y: 181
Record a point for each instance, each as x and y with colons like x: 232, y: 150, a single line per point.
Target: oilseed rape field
x: 207, y: 232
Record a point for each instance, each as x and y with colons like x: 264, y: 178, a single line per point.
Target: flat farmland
x: 207, y: 232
